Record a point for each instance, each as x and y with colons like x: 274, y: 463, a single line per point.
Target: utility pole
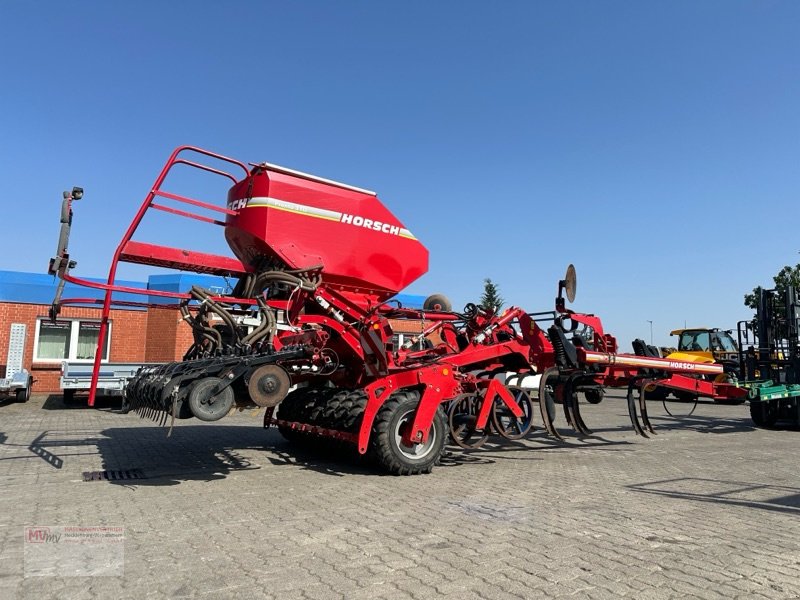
x: 651, y: 331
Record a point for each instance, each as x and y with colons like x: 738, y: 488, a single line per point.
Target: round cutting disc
x: 268, y: 385
x: 570, y: 283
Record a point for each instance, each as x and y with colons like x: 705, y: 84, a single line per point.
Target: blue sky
x: 653, y: 144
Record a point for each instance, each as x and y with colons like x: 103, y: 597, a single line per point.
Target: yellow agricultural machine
x: 703, y: 345
x: 707, y: 346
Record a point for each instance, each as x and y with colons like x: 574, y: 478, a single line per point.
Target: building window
x: 68, y: 339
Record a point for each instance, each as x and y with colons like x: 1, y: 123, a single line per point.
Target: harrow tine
x: 637, y: 427
x: 643, y: 408
x: 546, y: 405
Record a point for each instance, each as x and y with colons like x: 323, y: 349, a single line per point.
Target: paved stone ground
x: 708, y: 508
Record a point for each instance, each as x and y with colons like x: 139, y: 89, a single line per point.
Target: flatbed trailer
x: 111, y: 380
x: 18, y: 385
x: 16, y: 381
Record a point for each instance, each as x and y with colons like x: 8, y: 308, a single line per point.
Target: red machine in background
x: 305, y: 332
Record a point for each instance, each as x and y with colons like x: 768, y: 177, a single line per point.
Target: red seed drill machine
x: 305, y: 332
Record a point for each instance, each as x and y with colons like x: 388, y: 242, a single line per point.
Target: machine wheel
x: 732, y: 401
x: 24, y: 394
x: 729, y: 376
x: 764, y: 414
x: 504, y: 421
x: 462, y: 417
x: 685, y: 396
x: 288, y: 410
x: 437, y: 302
x: 390, y: 423
x: 730, y: 372
x: 594, y: 396
x: 328, y: 417
x: 69, y: 396
x: 657, y: 393
x: 206, y: 405
x: 352, y: 411
x: 322, y: 398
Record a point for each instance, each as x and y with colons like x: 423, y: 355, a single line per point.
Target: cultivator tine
x: 547, y: 406
x: 643, y: 407
x: 637, y: 427
x: 579, y: 424
x: 567, y: 409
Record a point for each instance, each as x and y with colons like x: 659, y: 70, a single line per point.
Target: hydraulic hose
x: 267, y: 327
x: 200, y: 294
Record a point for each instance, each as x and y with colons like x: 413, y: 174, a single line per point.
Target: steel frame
x: 511, y: 340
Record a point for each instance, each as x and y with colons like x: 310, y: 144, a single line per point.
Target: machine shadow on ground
x: 187, y: 453
x: 207, y: 452
x: 105, y: 403
x: 53, y: 446
x: 680, y: 419
x: 213, y: 452
x: 775, y: 498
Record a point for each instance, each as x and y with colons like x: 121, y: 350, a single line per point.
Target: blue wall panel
x: 40, y: 288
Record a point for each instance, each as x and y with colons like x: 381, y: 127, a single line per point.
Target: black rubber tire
x: 732, y: 401
x: 387, y: 451
x: 660, y: 393
x: 69, y: 396
x: 332, y: 409
x: 437, y: 302
x: 764, y: 414
x: 352, y: 419
x: 184, y: 410
x: 24, y: 394
x: 685, y: 396
x: 731, y: 369
x: 201, y: 394
x: 288, y: 410
x: 594, y: 396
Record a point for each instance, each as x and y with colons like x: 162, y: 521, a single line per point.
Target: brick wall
x: 128, y: 330
x: 168, y: 335
x: 406, y: 326
x: 155, y: 335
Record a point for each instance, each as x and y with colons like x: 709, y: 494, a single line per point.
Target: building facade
x: 136, y: 334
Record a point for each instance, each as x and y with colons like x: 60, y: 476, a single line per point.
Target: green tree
x: 786, y: 276
x: 491, y: 299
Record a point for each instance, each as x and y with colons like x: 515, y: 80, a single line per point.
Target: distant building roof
x: 40, y: 288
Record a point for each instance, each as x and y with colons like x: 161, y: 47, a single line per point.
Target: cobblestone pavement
x: 708, y: 508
